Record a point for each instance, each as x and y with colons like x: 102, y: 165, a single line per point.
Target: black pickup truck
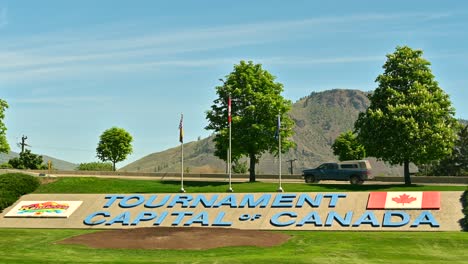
x: 354, y: 171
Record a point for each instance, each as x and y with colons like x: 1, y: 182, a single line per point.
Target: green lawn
x: 39, y: 245
x: 102, y: 185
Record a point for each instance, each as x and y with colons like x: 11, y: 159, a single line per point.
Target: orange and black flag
x: 181, y: 129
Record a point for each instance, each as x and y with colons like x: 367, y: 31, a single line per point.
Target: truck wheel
x: 309, y: 178
x: 355, y: 180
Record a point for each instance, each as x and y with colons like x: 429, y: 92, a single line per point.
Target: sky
x: 69, y: 70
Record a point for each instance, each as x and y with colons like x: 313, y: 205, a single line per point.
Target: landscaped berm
x: 178, y: 238
x: 95, y: 220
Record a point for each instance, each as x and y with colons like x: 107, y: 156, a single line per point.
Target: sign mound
x: 194, y: 238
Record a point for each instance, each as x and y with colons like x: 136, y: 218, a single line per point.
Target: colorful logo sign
x: 41, y: 208
x: 44, y: 209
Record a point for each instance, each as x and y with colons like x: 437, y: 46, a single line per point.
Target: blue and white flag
x: 278, y: 126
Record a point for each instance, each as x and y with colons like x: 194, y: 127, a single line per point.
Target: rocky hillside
x: 319, y: 117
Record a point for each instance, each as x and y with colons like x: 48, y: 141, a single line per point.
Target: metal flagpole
x: 280, y: 189
x: 229, y: 153
x: 181, y: 139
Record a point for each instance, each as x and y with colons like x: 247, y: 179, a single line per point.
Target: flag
x: 278, y: 126
x: 181, y: 129
x: 229, y: 110
x: 404, y: 200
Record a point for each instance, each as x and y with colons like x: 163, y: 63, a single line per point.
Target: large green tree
x: 115, y: 144
x: 4, y: 147
x: 347, y: 147
x: 410, y: 118
x: 256, y: 103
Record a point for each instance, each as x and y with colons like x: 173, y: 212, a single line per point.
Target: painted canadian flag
x: 404, y: 200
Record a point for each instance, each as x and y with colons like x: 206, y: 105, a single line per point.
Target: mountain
x: 56, y: 163
x: 319, y: 118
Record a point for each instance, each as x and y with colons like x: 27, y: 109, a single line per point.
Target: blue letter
x: 123, y: 218
x: 112, y: 199
x: 144, y: 216
x: 335, y: 216
x: 287, y: 199
x: 160, y: 219
x: 334, y: 198
x: 201, y: 218
x: 249, y: 199
x: 182, y: 199
x: 311, y: 218
x: 149, y: 202
x: 274, y: 219
x: 219, y: 220
x: 180, y: 216
x: 387, y: 222
x: 228, y: 200
x: 367, y: 218
x: 425, y: 218
x: 202, y: 198
x: 124, y: 203
x: 306, y: 198
x: 89, y: 219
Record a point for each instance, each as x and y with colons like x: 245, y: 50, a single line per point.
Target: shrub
x: 13, y: 185
x: 239, y: 167
x: 465, y: 210
x: 6, y: 166
x: 95, y: 166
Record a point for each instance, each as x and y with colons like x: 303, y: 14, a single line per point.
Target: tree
x: 347, y: 147
x: 459, y: 155
x: 410, y: 118
x: 256, y: 103
x: 4, y: 147
x: 457, y: 163
x: 27, y: 160
x: 115, y: 145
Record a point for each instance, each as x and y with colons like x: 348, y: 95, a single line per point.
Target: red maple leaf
x: 404, y: 198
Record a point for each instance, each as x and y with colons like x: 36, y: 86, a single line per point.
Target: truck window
x: 349, y: 166
x: 322, y: 167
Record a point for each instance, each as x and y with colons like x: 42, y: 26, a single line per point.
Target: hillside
x: 319, y: 118
x: 57, y: 163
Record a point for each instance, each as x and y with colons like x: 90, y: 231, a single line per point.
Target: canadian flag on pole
x: 404, y: 200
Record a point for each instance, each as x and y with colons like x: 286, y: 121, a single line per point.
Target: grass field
x: 102, y: 185
x: 38, y: 245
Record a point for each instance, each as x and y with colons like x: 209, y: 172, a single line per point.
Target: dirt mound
x: 178, y: 238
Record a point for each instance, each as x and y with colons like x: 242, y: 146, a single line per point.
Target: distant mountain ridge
x: 319, y: 118
x: 56, y: 163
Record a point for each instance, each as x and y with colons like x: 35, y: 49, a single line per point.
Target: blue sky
x: 72, y: 69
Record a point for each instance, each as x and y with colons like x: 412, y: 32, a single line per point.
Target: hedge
x: 13, y: 185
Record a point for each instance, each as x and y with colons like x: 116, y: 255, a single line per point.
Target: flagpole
x: 229, y: 153
x: 280, y: 189
x: 181, y: 139
x: 182, y: 169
